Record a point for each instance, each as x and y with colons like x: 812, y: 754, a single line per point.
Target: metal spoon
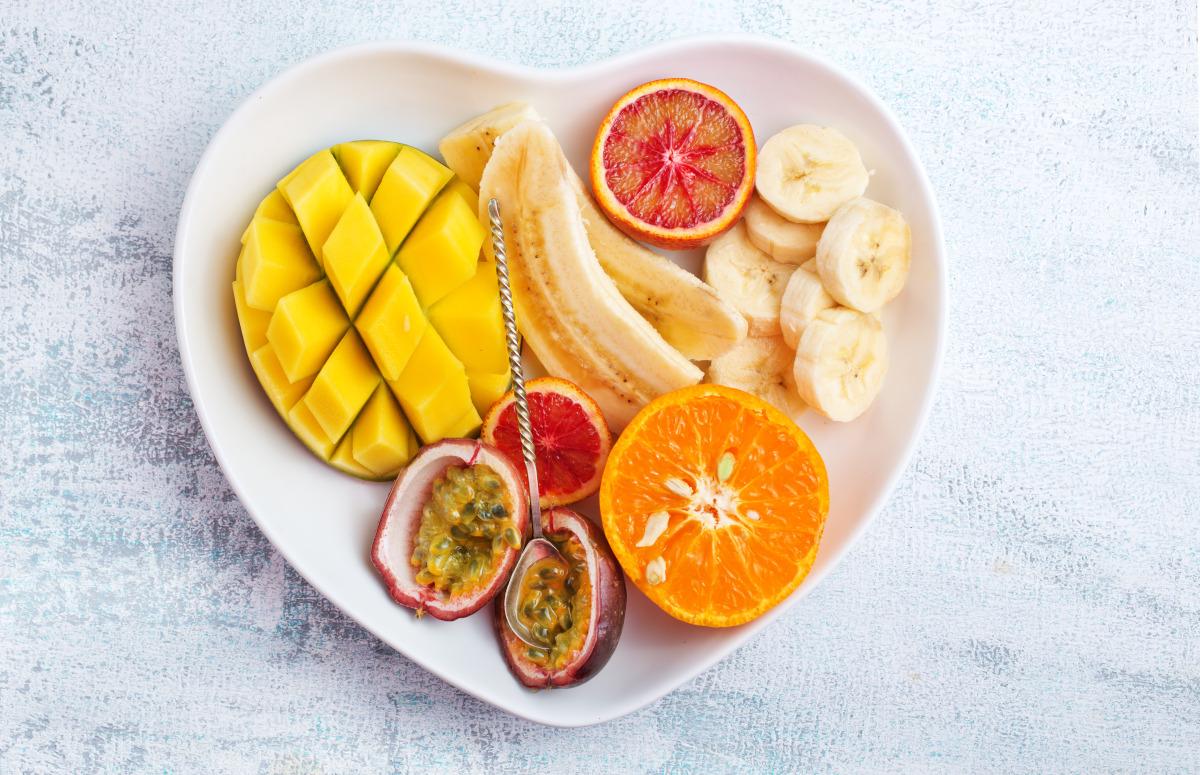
x: 538, y: 547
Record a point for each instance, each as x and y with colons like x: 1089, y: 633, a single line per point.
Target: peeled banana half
x: 571, y: 313
x: 688, y: 313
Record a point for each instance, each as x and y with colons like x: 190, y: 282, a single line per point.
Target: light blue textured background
x: 1029, y: 600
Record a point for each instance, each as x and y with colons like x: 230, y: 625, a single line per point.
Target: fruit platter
x: 680, y: 313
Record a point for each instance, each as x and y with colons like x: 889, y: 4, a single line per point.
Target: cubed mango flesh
x: 384, y: 442
x: 317, y: 192
x: 355, y: 255
x: 343, y: 459
x: 487, y: 389
x: 305, y: 327
x: 391, y: 322
x: 442, y: 252
x: 471, y: 322
x: 275, y: 261
x: 253, y: 322
x: 274, y: 207
x: 466, y: 192
x: 342, y: 386
x: 363, y: 360
x: 282, y: 392
x: 364, y: 162
x: 304, y: 424
x: 410, y: 183
x: 433, y: 390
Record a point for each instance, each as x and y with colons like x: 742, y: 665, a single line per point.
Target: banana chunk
x: 864, y: 255
x: 761, y: 366
x: 806, y: 172
x: 841, y: 363
x: 748, y: 279
x: 803, y: 299
x: 783, y: 240
x: 467, y: 148
x: 688, y: 313
x: 570, y: 312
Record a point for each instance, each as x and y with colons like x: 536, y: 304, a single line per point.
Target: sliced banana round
x: 748, y: 279
x: 783, y: 240
x: 841, y: 362
x: 761, y: 366
x: 803, y: 299
x: 864, y: 254
x: 806, y: 172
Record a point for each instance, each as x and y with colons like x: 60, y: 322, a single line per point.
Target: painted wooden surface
x: 1029, y: 600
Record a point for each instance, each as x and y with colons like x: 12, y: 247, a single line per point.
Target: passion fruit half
x: 574, y: 609
x: 451, y: 529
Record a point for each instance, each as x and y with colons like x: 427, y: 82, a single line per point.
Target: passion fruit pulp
x: 451, y: 529
x: 574, y: 607
x: 466, y: 528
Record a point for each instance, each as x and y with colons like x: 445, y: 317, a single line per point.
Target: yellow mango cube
x: 304, y: 424
x: 275, y: 208
x: 433, y: 391
x: 471, y: 322
x: 364, y: 162
x: 408, y: 186
x: 355, y: 254
x: 306, y: 326
x: 487, y: 389
x: 442, y: 252
x: 275, y: 261
x: 343, y: 459
x: 464, y: 427
x: 342, y: 386
x: 391, y: 322
x: 253, y: 322
x: 383, y: 439
x: 318, y: 193
x: 461, y: 189
x: 283, y: 393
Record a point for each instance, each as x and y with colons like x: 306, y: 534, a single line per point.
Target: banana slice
x: 468, y: 147
x: 806, y: 172
x: 864, y: 255
x: 783, y: 240
x: 803, y: 299
x: 841, y: 362
x: 747, y: 278
x: 762, y: 366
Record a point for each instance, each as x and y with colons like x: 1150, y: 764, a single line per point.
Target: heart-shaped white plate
x: 323, y: 521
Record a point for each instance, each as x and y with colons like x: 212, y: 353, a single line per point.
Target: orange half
x: 744, y: 493
x: 673, y: 163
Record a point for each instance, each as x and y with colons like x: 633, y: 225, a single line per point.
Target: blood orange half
x: 673, y: 163
x: 570, y: 438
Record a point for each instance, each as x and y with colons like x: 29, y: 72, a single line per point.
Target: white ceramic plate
x: 323, y: 521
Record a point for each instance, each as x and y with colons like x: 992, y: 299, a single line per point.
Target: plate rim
x: 449, y: 55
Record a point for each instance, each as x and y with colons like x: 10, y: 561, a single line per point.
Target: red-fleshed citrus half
x: 570, y: 438
x: 673, y: 163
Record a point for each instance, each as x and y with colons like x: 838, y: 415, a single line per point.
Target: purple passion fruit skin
x: 436, y: 548
x: 575, y: 610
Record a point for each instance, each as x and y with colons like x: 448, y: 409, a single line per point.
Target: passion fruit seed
x: 656, y: 571
x: 725, y: 466
x: 656, y: 525
x: 459, y: 539
x: 679, y: 487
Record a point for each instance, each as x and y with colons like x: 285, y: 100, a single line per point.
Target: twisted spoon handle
x: 514, y: 364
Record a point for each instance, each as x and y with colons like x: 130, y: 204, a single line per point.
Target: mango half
x: 366, y: 312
